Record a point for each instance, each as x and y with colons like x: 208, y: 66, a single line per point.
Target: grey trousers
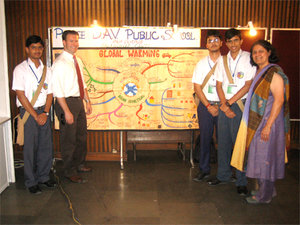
x: 72, y: 137
x: 37, y: 151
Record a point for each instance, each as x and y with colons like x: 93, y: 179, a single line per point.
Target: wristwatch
x: 227, y: 104
x: 46, y: 113
x: 86, y: 100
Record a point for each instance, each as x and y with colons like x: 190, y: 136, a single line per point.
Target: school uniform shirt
x: 64, y: 75
x: 26, y: 77
x: 241, y: 71
x: 201, y: 70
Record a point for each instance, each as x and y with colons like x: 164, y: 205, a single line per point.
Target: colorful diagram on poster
x: 140, y: 89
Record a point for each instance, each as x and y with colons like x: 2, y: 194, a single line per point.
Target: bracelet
x: 86, y: 100
x: 207, y: 105
x: 46, y: 113
x: 227, y: 104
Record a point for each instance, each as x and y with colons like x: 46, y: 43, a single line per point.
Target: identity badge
x: 231, y: 88
x: 211, y: 89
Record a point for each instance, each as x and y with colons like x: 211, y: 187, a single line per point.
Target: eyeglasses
x: 213, y: 40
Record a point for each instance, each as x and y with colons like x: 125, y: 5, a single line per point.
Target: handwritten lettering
x: 143, y: 53
x: 113, y: 53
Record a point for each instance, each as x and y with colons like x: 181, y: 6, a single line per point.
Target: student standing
x: 37, y: 151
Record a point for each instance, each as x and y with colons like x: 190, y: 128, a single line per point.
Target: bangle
x: 207, y: 105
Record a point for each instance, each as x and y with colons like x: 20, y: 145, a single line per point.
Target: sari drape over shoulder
x: 254, y: 110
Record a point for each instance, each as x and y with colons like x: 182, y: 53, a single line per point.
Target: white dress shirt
x: 201, y: 70
x: 64, y: 75
x: 241, y: 71
x: 26, y: 77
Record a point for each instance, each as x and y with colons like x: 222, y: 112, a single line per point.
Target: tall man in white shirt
x: 232, y: 95
x: 204, y: 80
x: 37, y: 151
x: 70, y: 91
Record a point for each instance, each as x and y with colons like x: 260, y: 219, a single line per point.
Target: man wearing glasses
x: 234, y: 75
x: 205, y: 88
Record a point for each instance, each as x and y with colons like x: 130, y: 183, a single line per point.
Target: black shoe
x: 201, y: 176
x: 49, y: 184
x: 216, y: 181
x: 242, y: 190
x: 35, y: 190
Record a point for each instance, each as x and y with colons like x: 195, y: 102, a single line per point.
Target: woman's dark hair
x: 33, y: 39
x: 66, y: 32
x: 273, y: 58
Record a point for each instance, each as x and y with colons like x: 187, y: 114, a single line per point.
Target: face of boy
x: 234, y: 44
x: 213, y: 44
x: 35, y: 51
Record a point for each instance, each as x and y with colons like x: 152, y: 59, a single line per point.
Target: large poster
x: 140, y: 89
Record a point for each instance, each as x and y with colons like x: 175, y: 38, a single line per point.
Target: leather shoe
x: 242, y: 190
x: 216, y: 181
x: 35, y: 190
x: 201, y: 176
x: 84, y: 169
x: 77, y: 179
x: 49, y: 184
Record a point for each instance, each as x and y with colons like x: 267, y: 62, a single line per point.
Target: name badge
x: 231, y: 88
x: 211, y: 89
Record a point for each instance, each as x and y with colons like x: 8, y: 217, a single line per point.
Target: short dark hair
x: 33, y: 39
x: 67, y: 32
x: 214, y: 33
x: 273, y: 58
x: 231, y: 33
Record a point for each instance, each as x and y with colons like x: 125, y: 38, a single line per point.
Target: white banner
x: 131, y: 37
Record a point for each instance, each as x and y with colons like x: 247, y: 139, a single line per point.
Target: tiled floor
x: 157, y: 189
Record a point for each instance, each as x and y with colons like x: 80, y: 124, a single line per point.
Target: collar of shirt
x: 211, y: 62
x: 236, y: 58
x: 68, y: 55
x: 36, y: 72
x: 30, y: 63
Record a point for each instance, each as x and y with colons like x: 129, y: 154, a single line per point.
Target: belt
x: 75, y: 97
x: 35, y: 108
x: 214, y: 102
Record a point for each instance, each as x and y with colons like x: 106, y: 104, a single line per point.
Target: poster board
x: 138, y: 88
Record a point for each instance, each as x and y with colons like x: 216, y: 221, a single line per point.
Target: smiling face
x: 71, y: 43
x: 234, y: 44
x: 35, y: 51
x: 260, y: 55
x: 213, y: 44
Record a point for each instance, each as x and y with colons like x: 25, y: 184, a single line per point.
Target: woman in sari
x: 266, y: 123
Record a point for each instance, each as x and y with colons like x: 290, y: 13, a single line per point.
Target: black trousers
x: 72, y: 137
